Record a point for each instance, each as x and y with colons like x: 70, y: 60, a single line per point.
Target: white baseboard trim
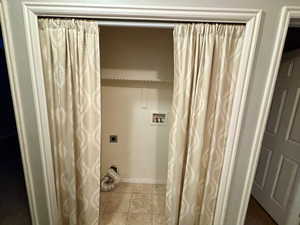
x: 143, y: 181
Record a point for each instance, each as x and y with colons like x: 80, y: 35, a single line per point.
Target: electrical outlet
x: 113, y: 139
x: 158, y: 118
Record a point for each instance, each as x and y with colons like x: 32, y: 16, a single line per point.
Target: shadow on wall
x: 142, y: 149
x: 136, y: 54
x: 292, y: 39
x: 14, y: 207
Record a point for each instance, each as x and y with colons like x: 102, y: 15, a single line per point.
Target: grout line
x: 152, y: 193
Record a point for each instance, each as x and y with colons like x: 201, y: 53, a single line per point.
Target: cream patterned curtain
x: 71, y: 65
x: 206, y: 60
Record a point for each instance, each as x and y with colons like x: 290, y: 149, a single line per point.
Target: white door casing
x: 278, y: 173
x: 19, y: 111
x: 250, y: 17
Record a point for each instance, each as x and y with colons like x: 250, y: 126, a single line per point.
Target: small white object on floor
x: 110, y: 180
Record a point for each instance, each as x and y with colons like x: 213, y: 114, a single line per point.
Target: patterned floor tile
x: 124, y: 188
x: 159, y: 219
x: 158, y: 202
x: 159, y: 189
x: 140, y: 203
x: 114, y: 219
x: 139, y: 219
x: 133, y: 204
x: 116, y: 203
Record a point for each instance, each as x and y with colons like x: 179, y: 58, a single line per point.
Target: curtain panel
x: 71, y: 68
x: 206, y: 65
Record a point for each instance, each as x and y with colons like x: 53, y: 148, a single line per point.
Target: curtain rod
x: 137, y: 24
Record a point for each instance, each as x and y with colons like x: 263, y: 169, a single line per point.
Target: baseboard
x: 143, y: 180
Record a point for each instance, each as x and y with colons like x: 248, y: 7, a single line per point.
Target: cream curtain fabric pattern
x: 206, y: 65
x: 71, y: 66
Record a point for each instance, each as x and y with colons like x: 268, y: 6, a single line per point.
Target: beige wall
x: 142, y: 150
x: 132, y: 53
x: 136, y: 53
x: 271, y: 9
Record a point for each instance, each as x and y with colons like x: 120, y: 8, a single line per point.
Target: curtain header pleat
x: 70, y: 24
x: 205, y: 29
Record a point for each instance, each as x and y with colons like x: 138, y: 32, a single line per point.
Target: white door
x: 277, y: 181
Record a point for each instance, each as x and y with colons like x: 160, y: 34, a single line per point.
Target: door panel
x: 285, y: 69
x: 263, y: 166
x: 276, y: 111
x: 293, y: 133
x: 283, y: 181
x: 278, y: 166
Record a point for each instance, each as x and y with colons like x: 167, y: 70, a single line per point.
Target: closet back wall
x: 130, y: 57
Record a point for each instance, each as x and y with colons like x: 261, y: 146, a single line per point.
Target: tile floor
x: 143, y: 204
x: 134, y: 204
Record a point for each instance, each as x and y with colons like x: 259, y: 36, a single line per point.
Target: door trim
x: 18, y: 108
x: 250, y: 17
x: 287, y: 14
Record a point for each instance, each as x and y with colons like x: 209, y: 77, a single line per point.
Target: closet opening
x: 116, y: 82
x: 137, y: 88
x: 14, y: 207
